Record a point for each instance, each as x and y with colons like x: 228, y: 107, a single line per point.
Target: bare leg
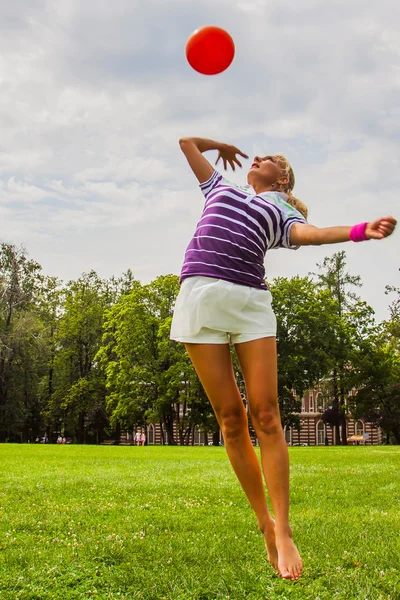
x: 213, y: 365
x: 259, y: 366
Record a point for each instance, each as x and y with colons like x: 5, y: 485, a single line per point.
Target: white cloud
x: 94, y: 96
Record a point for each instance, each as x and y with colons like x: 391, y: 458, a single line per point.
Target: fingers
x: 230, y: 155
x: 386, y: 230
x: 381, y: 228
x: 231, y: 161
x: 386, y: 226
x: 390, y: 220
x: 237, y: 151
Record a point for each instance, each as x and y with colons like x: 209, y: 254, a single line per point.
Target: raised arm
x: 193, y: 149
x: 308, y: 235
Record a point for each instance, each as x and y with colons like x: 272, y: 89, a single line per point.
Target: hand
x: 381, y: 228
x: 228, y: 155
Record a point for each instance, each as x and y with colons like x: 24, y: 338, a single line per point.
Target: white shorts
x: 214, y: 311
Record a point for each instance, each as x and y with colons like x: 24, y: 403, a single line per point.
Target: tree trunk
x: 344, y: 430
x: 51, y: 368
x: 343, y: 414
x: 216, y: 438
x: 118, y: 432
x: 3, y: 401
x: 181, y: 436
x: 336, y: 406
x: 396, y: 433
x: 162, y: 433
x: 81, y: 427
x: 169, y: 426
x: 192, y: 431
x: 178, y: 423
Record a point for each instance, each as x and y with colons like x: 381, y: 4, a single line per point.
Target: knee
x: 233, y: 424
x: 266, y: 419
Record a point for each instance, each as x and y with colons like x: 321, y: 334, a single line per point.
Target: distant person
x: 64, y: 440
x: 59, y: 439
x: 143, y: 438
x: 138, y: 437
x: 225, y: 300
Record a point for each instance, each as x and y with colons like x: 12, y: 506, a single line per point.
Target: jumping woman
x: 224, y: 300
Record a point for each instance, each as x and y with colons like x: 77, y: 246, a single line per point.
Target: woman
x: 224, y: 299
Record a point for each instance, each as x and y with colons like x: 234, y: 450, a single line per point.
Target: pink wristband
x: 357, y: 232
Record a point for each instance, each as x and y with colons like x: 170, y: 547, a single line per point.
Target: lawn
x: 172, y: 523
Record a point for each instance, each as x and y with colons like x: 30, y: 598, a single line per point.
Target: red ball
x: 210, y: 50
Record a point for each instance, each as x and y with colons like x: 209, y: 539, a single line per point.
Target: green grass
x: 172, y: 523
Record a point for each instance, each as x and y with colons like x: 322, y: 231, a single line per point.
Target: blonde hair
x: 287, y: 188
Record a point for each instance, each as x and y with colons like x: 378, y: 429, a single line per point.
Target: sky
x: 95, y: 95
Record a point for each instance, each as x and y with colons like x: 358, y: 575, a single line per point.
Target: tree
x: 77, y: 384
x: 378, y: 399
x: 378, y: 374
x: 150, y: 378
x: 305, y: 322
x: 20, y: 342
x: 352, y: 320
x: 129, y: 356
x: 393, y: 325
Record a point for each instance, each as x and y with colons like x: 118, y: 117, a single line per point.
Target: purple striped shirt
x: 236, y: 229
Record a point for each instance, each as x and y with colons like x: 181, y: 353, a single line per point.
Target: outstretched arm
x: 193, y: 149
x: 308, y: 235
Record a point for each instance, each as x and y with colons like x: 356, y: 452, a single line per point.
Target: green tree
x: 378, y: 399
x: 378, y: 374
x: 20, y: 342
x: 181, y: 387
x: 130, y: 357
x: 76, y: 383
x: 49, y: 307
x: 149, y: 378
x: 353, y: 319
x: 305, y: 325
x: 393, y: 325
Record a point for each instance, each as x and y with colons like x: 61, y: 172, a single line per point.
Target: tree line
x: 91, y: 357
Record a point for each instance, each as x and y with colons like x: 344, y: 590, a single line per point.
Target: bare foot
x: 268, y: 530
x: 290, y: 564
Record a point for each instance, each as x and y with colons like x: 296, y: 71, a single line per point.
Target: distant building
x: 313, y: 431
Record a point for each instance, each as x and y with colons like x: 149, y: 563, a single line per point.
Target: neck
x: 259, y: 188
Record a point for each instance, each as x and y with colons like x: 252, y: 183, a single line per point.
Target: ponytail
x: 287, y: 189
x: 297, y: 204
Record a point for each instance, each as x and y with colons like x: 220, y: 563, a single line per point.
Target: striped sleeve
x: 213, y: 183
x: 289, y: 216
